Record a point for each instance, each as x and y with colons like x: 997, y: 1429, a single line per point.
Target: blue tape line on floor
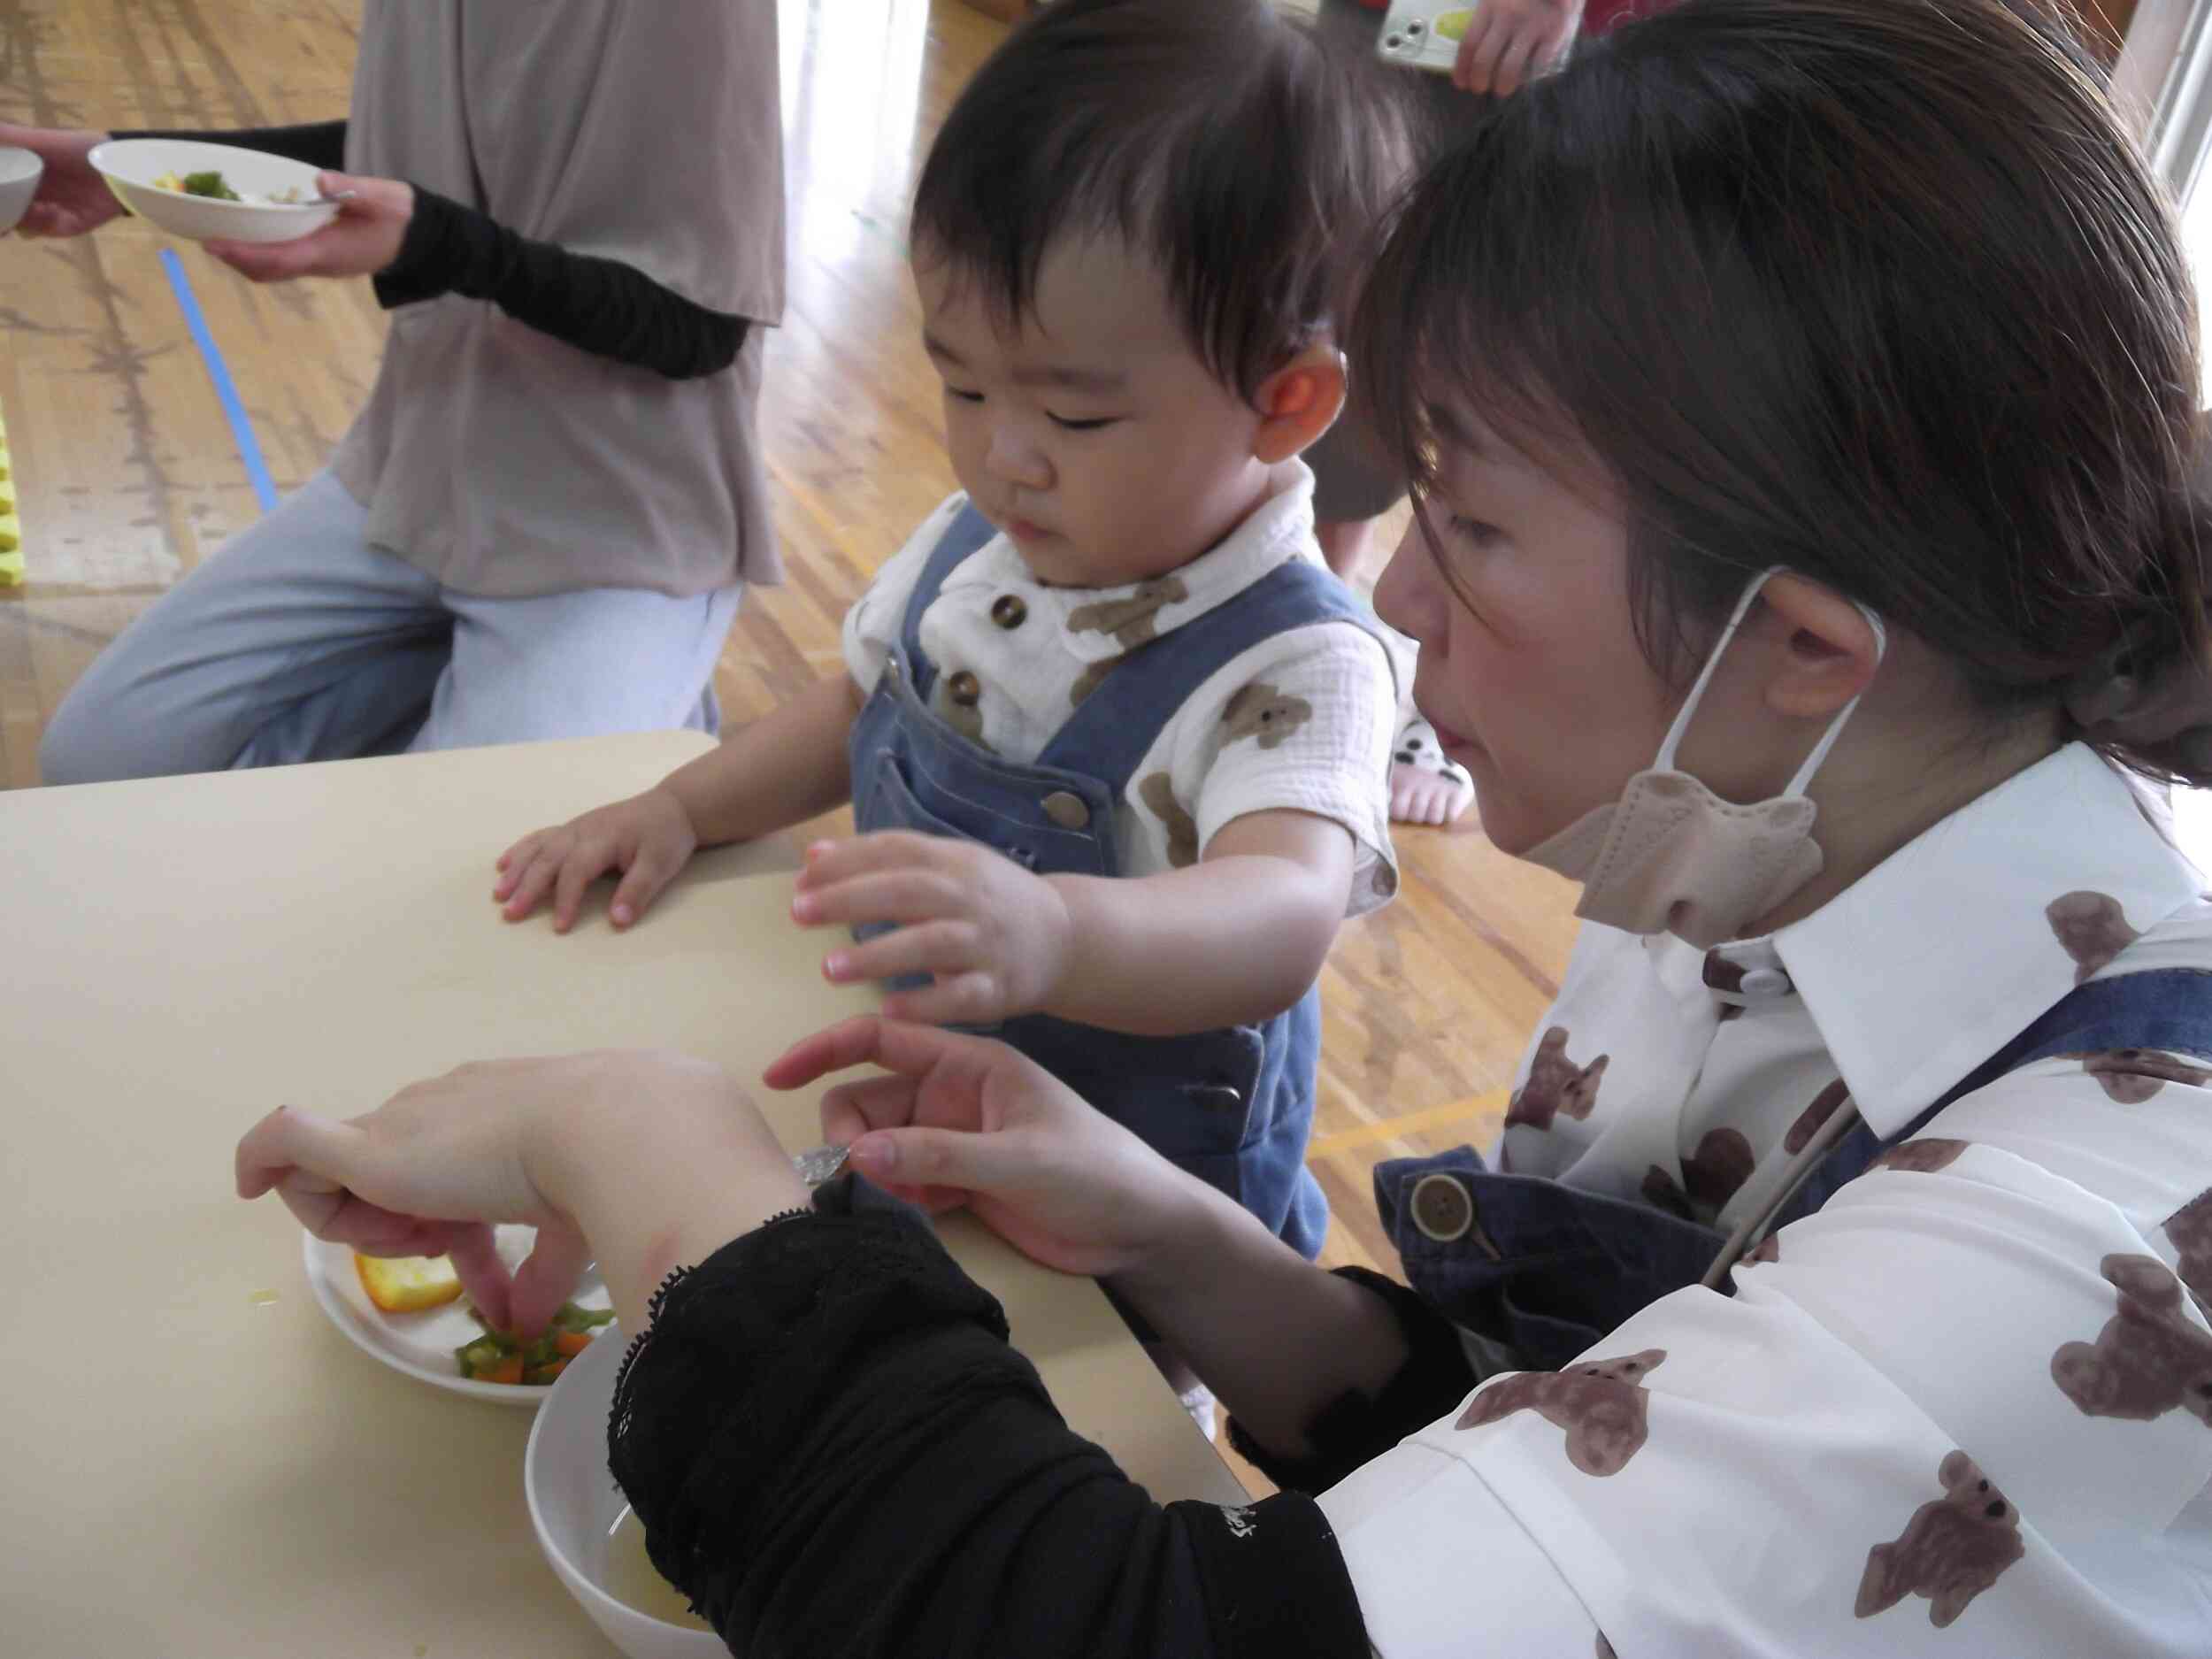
x: 226, y: 393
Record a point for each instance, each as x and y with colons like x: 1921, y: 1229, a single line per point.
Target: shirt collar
x: 1933, y: 962
x: 1103, y: 623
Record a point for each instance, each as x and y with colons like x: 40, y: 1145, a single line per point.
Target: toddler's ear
x: 1298, y: 403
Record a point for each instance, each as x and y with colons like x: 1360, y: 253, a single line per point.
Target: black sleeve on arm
x: 834, y: 1451
x: 1356, y: 1429
x: 318, y: 143
x: 601, y: 306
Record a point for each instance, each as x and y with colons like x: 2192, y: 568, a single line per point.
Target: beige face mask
x: 1670, y: 856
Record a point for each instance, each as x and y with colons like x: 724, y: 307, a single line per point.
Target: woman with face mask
x: 1801, y: 401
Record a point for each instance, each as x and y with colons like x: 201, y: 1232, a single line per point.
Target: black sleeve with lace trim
x: 834, y: 1450
x: 1355, y: 1428
x: 317, y: 143
x: 601, y: 306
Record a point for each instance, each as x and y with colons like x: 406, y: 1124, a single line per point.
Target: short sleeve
x: 1302, y: 723
x: 872, y: 625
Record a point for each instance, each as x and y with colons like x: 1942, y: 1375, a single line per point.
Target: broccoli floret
x: 209, y: 184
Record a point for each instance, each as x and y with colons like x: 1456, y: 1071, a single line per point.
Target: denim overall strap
x: 1160, y: 677
x: 968, y: 533
x: 2168, y: 1010
x: 1542, y: 1270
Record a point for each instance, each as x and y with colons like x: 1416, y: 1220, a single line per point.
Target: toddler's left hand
x: 994, y: 936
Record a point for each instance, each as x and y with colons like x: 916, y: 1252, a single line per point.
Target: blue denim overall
x: 1233, y: 1107
x: 1546, y: 1270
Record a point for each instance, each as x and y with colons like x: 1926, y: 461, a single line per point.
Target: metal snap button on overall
x: 964, y: 689
x: 1442, y: 1208
x: 1067, y: 811
x: 1009, y: 611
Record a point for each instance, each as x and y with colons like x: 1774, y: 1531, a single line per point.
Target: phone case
x: 1424, y: 33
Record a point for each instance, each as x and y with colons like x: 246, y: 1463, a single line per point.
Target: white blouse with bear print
x: 1964, y: 1409
x: 1301, y: 722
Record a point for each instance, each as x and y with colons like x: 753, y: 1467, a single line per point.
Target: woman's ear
x: 1828, y: 650
x: 1298, y: 403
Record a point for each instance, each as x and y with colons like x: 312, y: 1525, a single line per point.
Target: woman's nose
x: 1409, y: 592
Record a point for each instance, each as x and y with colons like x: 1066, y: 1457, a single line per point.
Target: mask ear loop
x: 1664, y: 760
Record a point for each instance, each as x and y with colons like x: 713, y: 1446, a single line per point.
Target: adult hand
x: 962, y: 1120
x: 994, y: 936
x: 654, y: 1158
x: 1511, y: 41
x: 649, y: 838
x: 362, y: 240
x: 72, y: 198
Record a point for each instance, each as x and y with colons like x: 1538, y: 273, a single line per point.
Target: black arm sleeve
x: 318, y: 143
x: 834, y: 1451
x: 1355, y: 1429
x: 601, y: 306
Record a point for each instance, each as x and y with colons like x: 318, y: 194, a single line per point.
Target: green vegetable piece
x: 480, y: 1356
x: 209, y: 184
x: 572, y: 1317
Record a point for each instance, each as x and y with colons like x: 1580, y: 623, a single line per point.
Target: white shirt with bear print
x: 1301, y: 722
x: 1964, y: 1409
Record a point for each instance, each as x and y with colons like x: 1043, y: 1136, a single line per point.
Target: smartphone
x: 1424, y: 33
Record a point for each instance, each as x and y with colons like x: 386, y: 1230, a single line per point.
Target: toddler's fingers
x: 960, y: 1160
x: 938, y: 948
x: 1513, y: 66
x: 519, y: 855
x: 640, y: 885
x: 894, y: 895
x: 288, y: 1139
x: 528, y: 885
x: 973, y: 998
x: 582, y: 867
x: 484, y: 1277
x: 1478, y: 50
x: 828, y: 861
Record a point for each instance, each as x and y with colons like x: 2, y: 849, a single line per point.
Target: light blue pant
x: 299, y: 642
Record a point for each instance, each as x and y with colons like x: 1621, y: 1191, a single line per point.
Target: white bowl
x: 20, y: 171
x: 574, y: 1503
x: 130, y: 165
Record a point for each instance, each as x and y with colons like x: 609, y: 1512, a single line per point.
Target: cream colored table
x: 195, y: 1468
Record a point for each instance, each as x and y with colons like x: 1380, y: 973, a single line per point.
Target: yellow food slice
x: 407, y: 1284
x: 1453, y: 25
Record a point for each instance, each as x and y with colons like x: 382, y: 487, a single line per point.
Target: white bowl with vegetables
x: 20, y: 171
x: 583, y: 1522
x: 206, y: 192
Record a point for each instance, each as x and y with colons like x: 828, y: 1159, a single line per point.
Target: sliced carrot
x: 508, y: 1371
x: 553, y: 1371
x: 569, y: 1344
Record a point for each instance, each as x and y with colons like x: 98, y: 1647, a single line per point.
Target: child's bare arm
x: 765, y: 777
x: 776, y: 771
x: 1233, y: 939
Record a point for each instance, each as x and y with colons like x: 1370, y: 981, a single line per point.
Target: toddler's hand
x: 994, y: 936
x: 647, y: 837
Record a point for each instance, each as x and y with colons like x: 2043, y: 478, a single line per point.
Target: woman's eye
x: 965, y: 397
x: 1067, y: 425
x: 1474, y: 532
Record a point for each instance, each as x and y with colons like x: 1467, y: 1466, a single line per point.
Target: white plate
x: 130, y: 165
x: 421, y: 1344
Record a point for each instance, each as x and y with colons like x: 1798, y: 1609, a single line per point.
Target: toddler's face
x: 1091, y: 431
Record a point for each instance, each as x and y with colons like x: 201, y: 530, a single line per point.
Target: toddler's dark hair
x: 1212, y: 135
x: 1881, y: 290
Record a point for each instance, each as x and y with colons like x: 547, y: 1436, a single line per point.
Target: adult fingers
x: 548, y: 1278
x: 1477, y: 53
x: 288, y: 1139
x: 483, y: 1273
x: 870, y: 1039
x: 1513, y: 64
x: 965, y: 1160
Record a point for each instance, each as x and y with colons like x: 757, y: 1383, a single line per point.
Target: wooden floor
x: 129, y: 476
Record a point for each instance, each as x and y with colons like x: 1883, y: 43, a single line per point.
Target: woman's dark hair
x: 1879, y: 290
x: 1231, y: 146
